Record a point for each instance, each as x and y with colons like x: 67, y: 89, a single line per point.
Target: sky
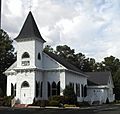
x: 91, y: 27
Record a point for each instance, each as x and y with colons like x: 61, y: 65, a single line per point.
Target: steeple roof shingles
x: 29, y: 29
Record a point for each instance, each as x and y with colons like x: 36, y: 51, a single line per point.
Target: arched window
x: 25, y: 84
x: 12, y: 90
x: 39, y: 57
x: 41, y: 89
x: 54, y: 89
x: 85, y: 91
x: 49, y: 90
x: 58, y: 88
x: 15, y: 90
x: 82, y: 90
x: 71, y: 85
x: 25, y: 59
x: 25, y: 55
x: 37, y: 89
x: 78, y: 90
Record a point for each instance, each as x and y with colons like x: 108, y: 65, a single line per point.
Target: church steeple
x: 29, y: 29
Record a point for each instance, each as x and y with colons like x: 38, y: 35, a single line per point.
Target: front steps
x: 20, y: 105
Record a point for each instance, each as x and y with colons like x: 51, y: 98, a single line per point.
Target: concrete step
x: 20, y: 105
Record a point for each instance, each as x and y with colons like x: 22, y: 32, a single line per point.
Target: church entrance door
x: 25, y: 93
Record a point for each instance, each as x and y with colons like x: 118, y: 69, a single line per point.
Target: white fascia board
x: 98, y: 87
x: 9, y: 72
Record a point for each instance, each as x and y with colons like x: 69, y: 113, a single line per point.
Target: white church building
x: 38, y: 74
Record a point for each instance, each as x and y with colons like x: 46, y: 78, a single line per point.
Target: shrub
x: 58, y: 98
x: 70, y: 95
x: 1, y: 93
x: 1, y: 101
x: 68, y: 105
x: 5, y: 101
x: 117, y: 101
x: 41, y: 103
x: 53, y: 103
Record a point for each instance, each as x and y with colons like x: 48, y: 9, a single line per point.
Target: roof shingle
x: 98, y: 78
x: 63, y: 62
x: 29, y: 29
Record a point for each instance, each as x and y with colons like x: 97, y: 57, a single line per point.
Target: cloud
x: 89, y: 26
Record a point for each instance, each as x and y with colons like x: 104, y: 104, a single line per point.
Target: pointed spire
x: 29, y: 29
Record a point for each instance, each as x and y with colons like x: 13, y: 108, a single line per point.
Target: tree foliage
x: 48, y: 49
x: 111, y: 64
x: 70, y: 94
x: 7, y: 56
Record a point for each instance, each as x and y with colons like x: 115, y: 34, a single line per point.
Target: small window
x: 25, y: 55
x: 39, y: 57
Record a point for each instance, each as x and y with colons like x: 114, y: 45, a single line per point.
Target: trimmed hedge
x: 53, y: 103
x: 41, y: 103
x: 68, y: 105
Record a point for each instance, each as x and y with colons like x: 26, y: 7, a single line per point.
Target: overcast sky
x: 88, y: 26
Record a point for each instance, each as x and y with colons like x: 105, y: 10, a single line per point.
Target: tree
x: 116, y: 80
x: 48, y: 49
x: 66, y: 53
x: 70, y: 94
x: 7, y: 56
x: 79, y: 60
x: 111, y: 64
x: 99, y: 67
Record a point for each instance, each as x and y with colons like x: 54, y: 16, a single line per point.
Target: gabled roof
x: 63, y: 62
x: 29, y: 29
x: 98, y: 78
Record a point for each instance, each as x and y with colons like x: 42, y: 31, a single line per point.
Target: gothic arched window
x: 49, y: 89
x: 78, y: 90
x: 15, y: 90
x: 39, y: 56
x: 25, y: 55
x: 41, y: 89
x: 58, y: 88
x: 82, y: 90
x: 37, y: 89
x: 25, y: 84
x: 12, y: 90
x: 54, y: 89
x: 85, y: 91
